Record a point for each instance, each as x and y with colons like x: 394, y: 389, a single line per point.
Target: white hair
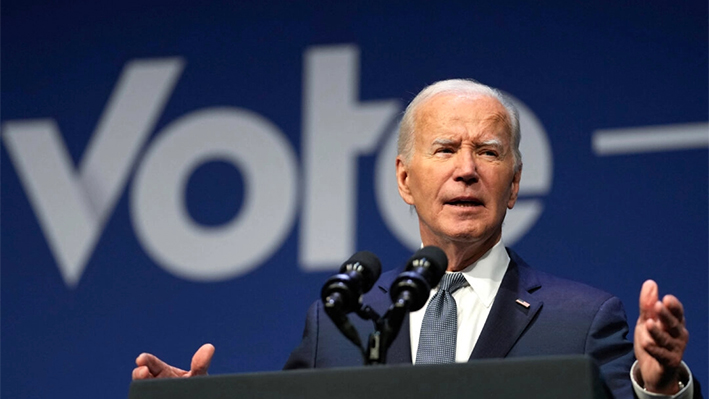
x: 456, y: 86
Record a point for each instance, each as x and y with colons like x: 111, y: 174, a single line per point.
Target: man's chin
x: 467, y: 232
x: 467, y: 238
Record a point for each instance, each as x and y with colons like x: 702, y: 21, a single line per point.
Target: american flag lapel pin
x: 523, y: 303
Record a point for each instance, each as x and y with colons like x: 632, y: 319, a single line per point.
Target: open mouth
x: 465, y: 202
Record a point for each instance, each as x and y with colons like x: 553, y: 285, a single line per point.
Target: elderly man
x: 459, y: 166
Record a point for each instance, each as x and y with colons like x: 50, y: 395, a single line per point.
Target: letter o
x: 159, y: 214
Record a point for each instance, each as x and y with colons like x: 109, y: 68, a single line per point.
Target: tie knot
x: 451, y: 282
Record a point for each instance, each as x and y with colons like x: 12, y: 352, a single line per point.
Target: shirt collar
x: 485, y: 275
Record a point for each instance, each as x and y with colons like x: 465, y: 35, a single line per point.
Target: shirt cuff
x: 687, y: 392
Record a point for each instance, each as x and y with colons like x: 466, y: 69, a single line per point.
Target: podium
x: 542, y: 377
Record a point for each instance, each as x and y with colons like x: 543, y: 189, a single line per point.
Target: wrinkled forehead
x: 448, y: 110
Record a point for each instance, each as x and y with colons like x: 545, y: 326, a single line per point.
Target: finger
x: 669, y: 322
x: 666, y: 357
x: 141, y: 373
x: 652, y: 333
x: 661, y: 345
x: 660, y: 337
x: 643, y: 336
x: 154, y: 365
x: 646, y: 345
x: 201, y: 360
x: 648, y: 298
x: 675, y: 306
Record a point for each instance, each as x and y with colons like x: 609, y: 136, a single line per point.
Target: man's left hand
x: 660, y: 339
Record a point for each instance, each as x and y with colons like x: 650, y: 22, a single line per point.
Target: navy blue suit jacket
x: 564, y: 317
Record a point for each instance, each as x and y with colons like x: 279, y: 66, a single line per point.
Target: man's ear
x: 402, y: 180
x: 514, y: 190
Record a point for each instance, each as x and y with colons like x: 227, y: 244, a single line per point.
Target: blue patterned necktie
x: 440, y: 323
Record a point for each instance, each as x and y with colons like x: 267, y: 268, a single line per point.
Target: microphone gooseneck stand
x: 386, y: 328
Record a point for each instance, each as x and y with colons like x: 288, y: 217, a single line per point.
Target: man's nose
x: 466, y: 167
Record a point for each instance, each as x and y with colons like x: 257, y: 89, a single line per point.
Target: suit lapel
x: 508, y: 318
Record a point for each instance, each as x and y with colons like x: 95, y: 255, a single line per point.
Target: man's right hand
x: 150, y: 366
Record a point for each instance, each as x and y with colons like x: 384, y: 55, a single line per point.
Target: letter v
x: 72, y: 208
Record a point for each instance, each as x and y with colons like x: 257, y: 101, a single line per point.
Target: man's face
x: 461, y: 176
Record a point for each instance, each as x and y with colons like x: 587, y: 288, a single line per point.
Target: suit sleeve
x: 607, y: 343
x: 305, y: 354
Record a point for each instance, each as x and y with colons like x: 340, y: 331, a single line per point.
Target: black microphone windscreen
x: 437, y: 263
x: 423, y: 271
x: 367, y: 264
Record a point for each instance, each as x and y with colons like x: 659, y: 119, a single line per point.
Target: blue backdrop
x: 175, y: 173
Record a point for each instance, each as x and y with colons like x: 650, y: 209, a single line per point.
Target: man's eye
x: 444, y: 151
x: 490, y: 153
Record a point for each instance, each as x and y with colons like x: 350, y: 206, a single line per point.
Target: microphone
x: 409, y: 293
x: 423, y: 271
x: 343, y: 292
